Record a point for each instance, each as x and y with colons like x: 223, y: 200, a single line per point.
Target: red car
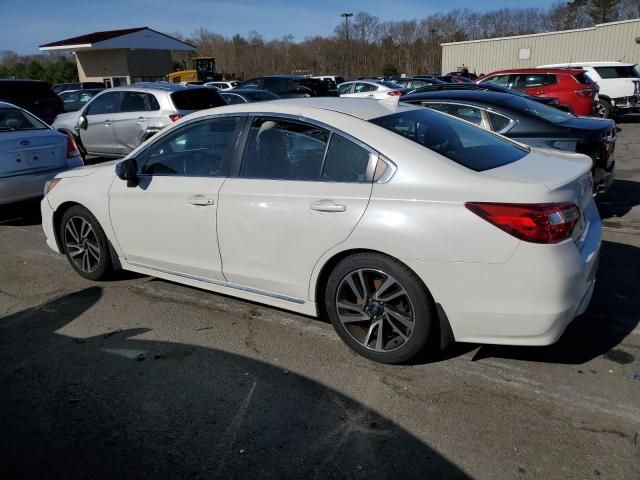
x: 575, y: 91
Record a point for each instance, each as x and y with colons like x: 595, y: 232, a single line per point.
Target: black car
x: 531, y: 123
x: 487, y: 87
x: 289, y: 86
x: 242, y: 95
x: 63, y: 87
x: 76, y: 99
x: 34, y: 96
x: 416, y: 83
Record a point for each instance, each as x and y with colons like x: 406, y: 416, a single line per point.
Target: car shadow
x: 619, y: 199
x: 121, y: 405
x: 21, y: 213
x: 611, y: 316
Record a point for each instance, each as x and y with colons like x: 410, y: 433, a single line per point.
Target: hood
x: 107, y: 168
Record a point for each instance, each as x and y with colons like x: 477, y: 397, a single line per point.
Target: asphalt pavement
x: 143, y: 378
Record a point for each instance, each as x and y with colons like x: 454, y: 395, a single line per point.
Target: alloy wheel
x: 375, y: 309
x: 82, y: 244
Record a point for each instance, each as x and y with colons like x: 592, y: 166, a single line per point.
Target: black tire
x: 92, y: 248
x: 603, y: 108
x: 371, y: 269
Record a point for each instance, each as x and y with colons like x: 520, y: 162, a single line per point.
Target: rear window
x: 12, y: 119
x: 538, y: 109
x: 618, y: 72
x: 465, y: 144
x: 584, y: 79
x: 392, y: 85
x: 196, y: 99
x: 260, y: 95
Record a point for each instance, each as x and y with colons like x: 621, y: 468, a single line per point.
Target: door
x: 130, y: 124
x: 168, y: 221
x: 299, y: 191
x: 98, y: 135
x: 362, y: 90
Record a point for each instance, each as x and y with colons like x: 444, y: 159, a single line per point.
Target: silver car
x: 31, y: 153
x: 117, y: 120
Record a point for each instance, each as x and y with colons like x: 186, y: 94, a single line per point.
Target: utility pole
x: 346, y: 21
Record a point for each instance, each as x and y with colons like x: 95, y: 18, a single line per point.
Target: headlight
x: 50, y: 185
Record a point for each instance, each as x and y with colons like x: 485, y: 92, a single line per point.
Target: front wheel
x: 85, y: 244
x: 603, y: 109
x: 379, y: 307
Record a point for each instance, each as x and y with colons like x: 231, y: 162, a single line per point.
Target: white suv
x: 619, y: 85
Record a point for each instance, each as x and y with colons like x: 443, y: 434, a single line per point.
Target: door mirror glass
x: 128, y: 170
x: 82, y: 122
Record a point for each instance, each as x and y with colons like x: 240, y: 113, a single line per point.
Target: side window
x: 135, y: 102
x: 364, y: 87
x: 466, y: 112
x: 345, y: 88
x: 498, y: 122
x: 153, y: 103
x: 104, y: 104
x: 255, y: 83
x: 530, y: 80
x: 284, y: 150
x: 552, y: 79
x: 232, y: 98
x: 440, y: 107
x: 499, y: 80
x: 275, y: 84
x: 346, y: 161
x: 203, y: 149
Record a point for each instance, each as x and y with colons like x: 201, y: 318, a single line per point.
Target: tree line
x: 369, y: 46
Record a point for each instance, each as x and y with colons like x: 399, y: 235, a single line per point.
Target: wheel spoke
x: 388, y: 283
x: 379, y: 333
x: 75, y: 252
x: 369, y: 333
x: 347, y: 319
x: 84, y: 226
x: 396, y: 329
x: 354, y: 289
x: 351, y: 307
x: 390, y: 297
x: 85, y: 262
x: 365, y: 290
x: 405, y: 321
x: 71, y: 228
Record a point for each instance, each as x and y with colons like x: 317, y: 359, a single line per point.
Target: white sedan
x: 378, y: 89
x: 400, y: 224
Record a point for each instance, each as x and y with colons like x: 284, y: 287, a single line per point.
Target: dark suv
x: 34, y: 96
x: 289, y: 86
x: 63, y: 87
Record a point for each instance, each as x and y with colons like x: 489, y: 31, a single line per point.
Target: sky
x: 29, y: 23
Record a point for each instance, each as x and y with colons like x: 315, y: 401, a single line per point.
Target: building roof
x: 139, y: 37
x: 600, y: 25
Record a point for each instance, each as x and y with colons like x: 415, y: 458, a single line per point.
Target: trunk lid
x: 28, y: 151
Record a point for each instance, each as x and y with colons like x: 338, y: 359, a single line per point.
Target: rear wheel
x: 379, y: 307
x: 85, y: 244
x: 603, y: 108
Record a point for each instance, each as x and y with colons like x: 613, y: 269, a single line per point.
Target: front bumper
x: 627, y: 103
x: 48, y: 226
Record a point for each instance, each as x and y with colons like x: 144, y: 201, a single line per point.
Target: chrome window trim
x: 512, y: 122
x: 509, y: 126
x: 222, y: 283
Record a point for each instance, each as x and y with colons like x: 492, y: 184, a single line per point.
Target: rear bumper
x: 27, y: 186
x: 528, y: 300
x: 603, y: 178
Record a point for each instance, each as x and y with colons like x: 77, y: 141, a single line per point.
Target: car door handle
x: 328, y: 206
x: 141, y: 119
x: 200, y: 200
x: 108, y: 123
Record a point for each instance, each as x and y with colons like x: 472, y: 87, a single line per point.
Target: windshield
x: 12, y: 119
x: 538, y: 109
x: 627, y: 71
x: 465, y: 144
x: 392, y: 85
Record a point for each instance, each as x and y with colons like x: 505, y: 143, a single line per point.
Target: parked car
x: 63, y: 87
x: 242, y: 95
x: 336, y: 79
x: 34, y: 96
x: 487, y: 87
x: 74, y: 100
x: 619, y: 85
x: 575, y: 91
x: 117, y: 120
x: 222, y: 86
x: 400, y: 224
x: 289, y: 86
x: 370, y: 89
x: 533, y: 124
x: 414, y: 83
x: 31, y: 153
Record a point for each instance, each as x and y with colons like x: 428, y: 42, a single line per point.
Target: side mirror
x: 82, y: 122
x: 128, y: 170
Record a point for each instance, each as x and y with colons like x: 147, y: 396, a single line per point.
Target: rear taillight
x: 394, y: 93
x: 536, y: 223
x: 72, y: 148
x: 586, y: 92
x: 175, y: 117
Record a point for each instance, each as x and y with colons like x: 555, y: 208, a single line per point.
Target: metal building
x: 615, y: 41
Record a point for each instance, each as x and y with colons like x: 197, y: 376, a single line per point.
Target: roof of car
x: 21, y: 80
x: 362, y: 108
x: 480, y: 96
x: 588, y: 64
x: 165, y: 86
x: 570, y: 71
